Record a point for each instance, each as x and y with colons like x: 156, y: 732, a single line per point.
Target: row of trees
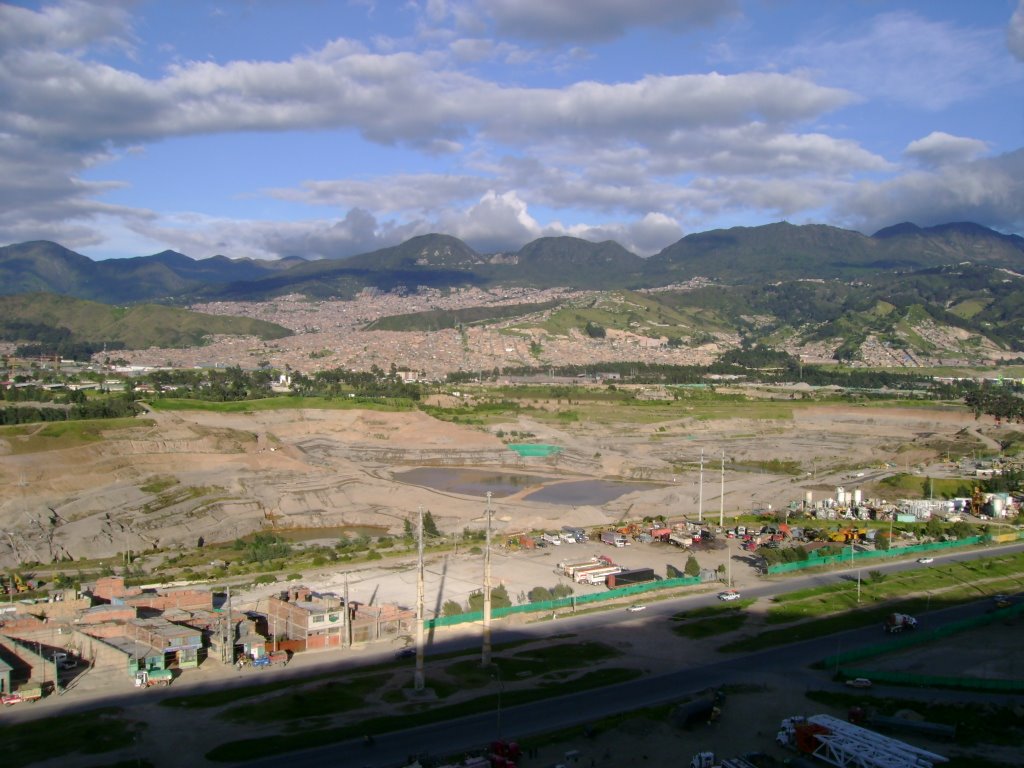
x: 105, y: 408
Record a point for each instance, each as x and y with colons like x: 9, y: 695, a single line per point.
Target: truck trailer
x: 568, y: 567
x: 632, y: 576
x: 596, y: 575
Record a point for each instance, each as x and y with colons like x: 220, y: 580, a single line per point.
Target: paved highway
x: 470, y: 733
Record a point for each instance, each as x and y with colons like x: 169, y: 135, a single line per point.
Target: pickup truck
x: 146, y: 678
x: 33, y: 693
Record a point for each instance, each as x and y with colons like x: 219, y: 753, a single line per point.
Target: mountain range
x: 737, y: 256
x: 770, y: 284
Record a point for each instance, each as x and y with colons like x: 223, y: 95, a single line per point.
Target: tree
x: 692, y: 567
x: 429, y: 526
x: 561, y: 590
x: 500, y: 598
x: 451, y: 608
x: 539, y: 595
x: 883, y: 541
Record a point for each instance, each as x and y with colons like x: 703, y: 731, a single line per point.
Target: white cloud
x: 70, y: 25
x: 939, y: 148
x: 569, y: 20
x: 202, y: 236
x: 1015, y: 32
x: 988, y: 191
x: 425, y: 193
x: 905, y: 58
x: 496, y: 222
x: 643, y: 237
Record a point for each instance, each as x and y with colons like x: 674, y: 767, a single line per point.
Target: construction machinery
x: 843, y: 744
x: 16, y: 585
x: 897, y: 622
x: 978, y: 502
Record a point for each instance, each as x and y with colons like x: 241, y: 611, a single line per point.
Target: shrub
x: 539, y: 595
x: 451, y: 608
x: 692, y: 567
x: 265, y: 578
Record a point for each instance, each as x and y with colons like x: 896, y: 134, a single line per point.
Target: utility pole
x: 721, y: 496
x: 486, y: 655
x: 700, y: 492
x: 348, y: 617
x: 228, y: 651
x: 418, y: 677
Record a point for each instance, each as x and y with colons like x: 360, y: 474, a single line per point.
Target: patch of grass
x: 91, y: 733
x: 250, y: 749
x: 284, y: 403
x: 328, y: 698
x: 991, y: 723
x: 179, y: 496
x: 159, y: 484
x: 712, y: 610
x: 59, y: 435
x: 717, y: 625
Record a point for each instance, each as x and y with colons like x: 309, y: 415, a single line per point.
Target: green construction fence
x: 545, y: 606
x: 852, y: 557
x: 895, y: 643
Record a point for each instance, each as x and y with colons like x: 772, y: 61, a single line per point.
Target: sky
x: 327, y: 128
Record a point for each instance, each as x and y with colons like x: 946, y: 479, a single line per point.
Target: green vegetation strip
x: 58, y: 435
x: 835, y: 608
x: 988, y: 724
x: 249, y: 749
x: 284, y: 403
x: 91, y: 733
x: 328, y: 698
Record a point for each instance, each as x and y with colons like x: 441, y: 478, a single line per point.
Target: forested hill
x: 737, y: 256
x: 57, y: 324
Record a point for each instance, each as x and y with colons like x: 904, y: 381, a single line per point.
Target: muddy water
x: 478, y: 482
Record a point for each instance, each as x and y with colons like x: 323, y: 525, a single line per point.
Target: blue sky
x: 325, y: 128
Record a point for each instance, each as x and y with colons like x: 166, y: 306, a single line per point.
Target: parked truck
x: 146, y: 678
x: 682, y: 540
x: 568, y: 567
x: 596, y: 575
x: 897, y: 622
x: 614, y: 538
x: 632, y: 576
x: 25, y: 693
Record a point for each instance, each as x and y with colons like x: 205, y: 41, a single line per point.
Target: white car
x: 926, y: 560
x: 729, y: 594
x: 859, y: 682
x: 637, y: 607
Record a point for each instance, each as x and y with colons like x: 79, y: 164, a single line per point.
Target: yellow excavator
x: 15, y: 584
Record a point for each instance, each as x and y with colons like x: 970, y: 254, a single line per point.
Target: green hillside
x: 46, y: 319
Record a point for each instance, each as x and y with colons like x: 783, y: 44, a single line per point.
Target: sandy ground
x: 231, y: 474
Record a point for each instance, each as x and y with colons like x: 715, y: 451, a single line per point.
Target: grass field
x: 282, y: 403
x: 59, y: 435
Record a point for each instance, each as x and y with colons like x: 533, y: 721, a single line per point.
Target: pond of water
x: 477, y: 482
x: 582, y: 492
